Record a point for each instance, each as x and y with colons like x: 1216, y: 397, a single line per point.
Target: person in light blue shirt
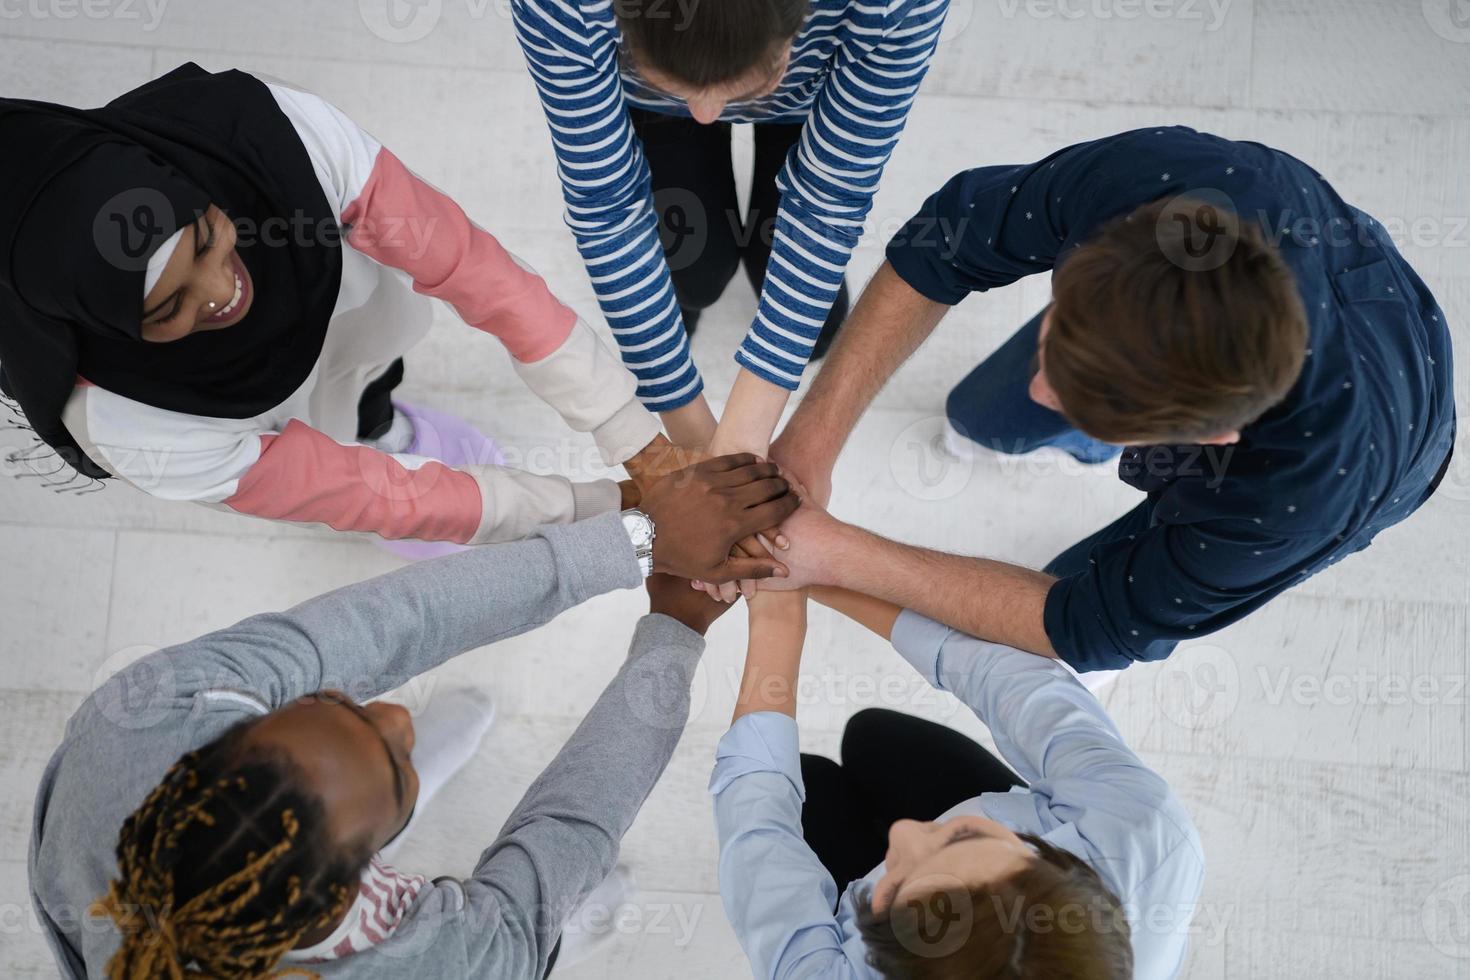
x: 1079, y: 863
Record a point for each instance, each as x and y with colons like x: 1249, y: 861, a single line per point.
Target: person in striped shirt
x: 640, y: 95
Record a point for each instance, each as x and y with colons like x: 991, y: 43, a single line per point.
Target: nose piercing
x: 213, y: 305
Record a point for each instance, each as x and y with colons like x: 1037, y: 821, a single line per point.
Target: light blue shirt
x: 1088, y: 794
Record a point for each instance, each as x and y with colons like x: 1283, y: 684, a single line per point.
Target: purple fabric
x: 453, y: 442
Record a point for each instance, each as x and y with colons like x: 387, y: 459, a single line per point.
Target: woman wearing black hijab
x: 207, y: 285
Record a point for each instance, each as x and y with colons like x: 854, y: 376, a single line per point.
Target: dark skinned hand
x: 701, y: 511
x: 674, y: 598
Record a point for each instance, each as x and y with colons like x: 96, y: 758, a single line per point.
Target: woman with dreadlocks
x: 206, y: 290
x: 253, y: 791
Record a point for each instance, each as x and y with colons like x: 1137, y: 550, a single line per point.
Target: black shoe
x: 691, y: 320
x: 835, y: 319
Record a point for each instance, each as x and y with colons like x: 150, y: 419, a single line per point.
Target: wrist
x: 836, y: 546
x: 734, y: 439
x: 699, y: 627
x: 690, y: 426
x: 631, y: 495
x: 751, y: 414
x: 778, y: 608
x: 642, y: 534
x: 647, y: 462
x: 810, y: 456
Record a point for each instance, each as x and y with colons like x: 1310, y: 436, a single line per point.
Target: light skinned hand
x: 811, y: 531
x: 799, y: 468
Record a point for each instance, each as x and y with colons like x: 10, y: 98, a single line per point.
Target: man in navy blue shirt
x: 1275, y: 376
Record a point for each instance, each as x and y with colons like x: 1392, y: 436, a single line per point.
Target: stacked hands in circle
x: 233, y: 806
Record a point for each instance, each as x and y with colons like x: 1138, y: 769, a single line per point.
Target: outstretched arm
x: 371, y: 637
x: 777, y: 895
x: 573, y: 59
x: 376, y: 635
x: 773, y: 656
x: 827, y: 188
x: 564, y: 835
x: 990, y: 599
x: 877, y: 615
x: 889, y: 322
x: 397, y: 218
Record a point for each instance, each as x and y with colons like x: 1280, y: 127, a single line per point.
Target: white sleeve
x: 169, y: 455
x: 342, y: 153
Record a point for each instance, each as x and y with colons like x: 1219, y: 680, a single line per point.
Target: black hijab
x: 90, y: 194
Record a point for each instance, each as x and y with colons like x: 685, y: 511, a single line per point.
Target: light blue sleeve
x: 777, y: 895
x: 1046, y: 725
x: 1056, y: 735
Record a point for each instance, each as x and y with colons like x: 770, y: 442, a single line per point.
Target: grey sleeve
x: 376, y: 635
x: 563, y: 837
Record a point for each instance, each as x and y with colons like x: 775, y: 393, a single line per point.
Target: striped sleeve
x: 828, y: 183
x: 608, y: 194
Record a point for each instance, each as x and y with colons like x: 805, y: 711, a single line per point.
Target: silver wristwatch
x: 641, y: 533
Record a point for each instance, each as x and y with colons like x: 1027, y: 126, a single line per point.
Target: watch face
x: 640, y: 530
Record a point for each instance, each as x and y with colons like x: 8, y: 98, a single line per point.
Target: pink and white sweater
x: 300, y: 461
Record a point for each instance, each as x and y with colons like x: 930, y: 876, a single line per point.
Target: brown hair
x: 1052, y: 920
x: 708, y: 43
x: 227, y: 864
x: 1174, y: 324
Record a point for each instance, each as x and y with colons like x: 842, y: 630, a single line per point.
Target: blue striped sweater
x: 855, y: 68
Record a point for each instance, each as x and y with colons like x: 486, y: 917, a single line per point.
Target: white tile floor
x: 1322, y: 744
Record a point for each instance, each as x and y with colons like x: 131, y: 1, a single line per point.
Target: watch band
x: 641, y: 534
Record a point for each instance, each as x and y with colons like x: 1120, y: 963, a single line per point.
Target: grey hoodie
x: 558, y: 844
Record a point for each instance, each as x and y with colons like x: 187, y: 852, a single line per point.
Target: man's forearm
x: 988, y: 599
x: 889, y: 322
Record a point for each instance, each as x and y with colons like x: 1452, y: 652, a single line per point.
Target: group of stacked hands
x: 261, y: 787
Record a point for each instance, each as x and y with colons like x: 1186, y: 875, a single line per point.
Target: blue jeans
x: 991, y: 407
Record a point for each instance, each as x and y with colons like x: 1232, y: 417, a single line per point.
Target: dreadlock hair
x: 225, y: 866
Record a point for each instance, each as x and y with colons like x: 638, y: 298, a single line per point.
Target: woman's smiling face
x: 204, y: 286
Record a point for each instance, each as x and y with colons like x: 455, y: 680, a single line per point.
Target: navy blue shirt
x: 1355, y: 446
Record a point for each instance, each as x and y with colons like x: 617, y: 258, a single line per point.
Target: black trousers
x: 375, y: 405
x: 704, y: 235
x: 894, y: 767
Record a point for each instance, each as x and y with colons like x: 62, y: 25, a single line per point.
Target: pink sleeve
x: 401, y: 221
x: 304, y: 476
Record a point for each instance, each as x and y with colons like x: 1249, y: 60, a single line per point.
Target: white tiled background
x: 1333, y: 805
